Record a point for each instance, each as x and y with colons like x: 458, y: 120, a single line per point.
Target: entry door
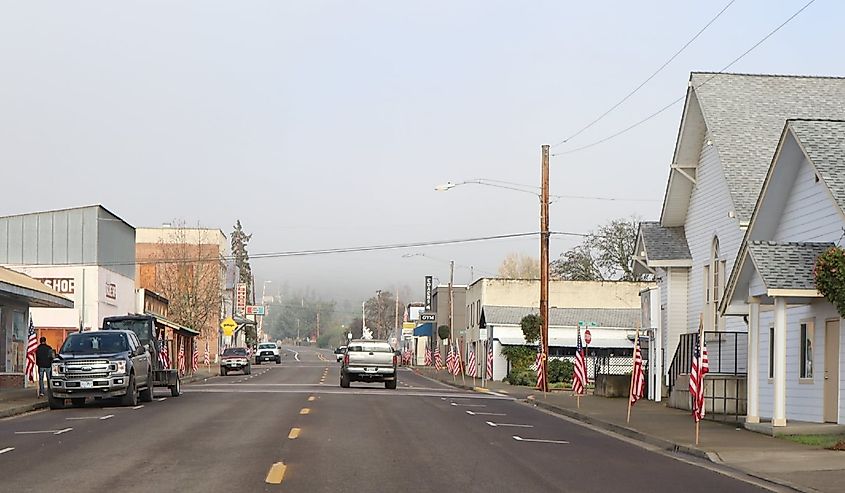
x: 831, y: 371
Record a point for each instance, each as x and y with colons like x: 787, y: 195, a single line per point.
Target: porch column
x: 779, y: 413
x: 752, y: 382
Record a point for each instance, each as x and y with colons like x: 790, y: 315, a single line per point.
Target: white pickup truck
x: 369, y: 361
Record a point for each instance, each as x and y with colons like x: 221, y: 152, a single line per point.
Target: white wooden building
x: 795, y: 343
x: 728, y: 133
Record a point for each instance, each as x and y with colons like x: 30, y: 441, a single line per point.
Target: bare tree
x: 576, y: 264
x: 189, y: 274
x: 518, y: 266
x: 605, y: 254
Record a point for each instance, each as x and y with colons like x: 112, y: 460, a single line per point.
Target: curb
x: 23, y: 409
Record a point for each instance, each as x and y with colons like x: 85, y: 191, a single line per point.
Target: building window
x: 771, y: 352
x: 807, y: 337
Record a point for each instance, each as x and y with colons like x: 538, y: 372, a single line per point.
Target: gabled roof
x: 823, y: 142
x: 662, y: 243
x: 786, y: 265
x: 744, y: 115
x: 564, y: 317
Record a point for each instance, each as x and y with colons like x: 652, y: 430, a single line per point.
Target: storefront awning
x: 173, y: 325
x: 424, y: 330
x: 27, y: 290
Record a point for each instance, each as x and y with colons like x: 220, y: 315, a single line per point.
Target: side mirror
x: 140, y: 351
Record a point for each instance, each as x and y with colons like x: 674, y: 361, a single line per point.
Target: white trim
x: 794, y: 293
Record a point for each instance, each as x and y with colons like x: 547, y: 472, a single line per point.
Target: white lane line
x: 467, y: 405
x: 107, y: 416
x: 160, y: 399
x: 295, y: 354
x: 495, y: 425
x: 538, y: 440
x: 138, y: 407
x: 476, y: 413
x: 53, y: 432
x: 7, y: 449
x: 81, y: 417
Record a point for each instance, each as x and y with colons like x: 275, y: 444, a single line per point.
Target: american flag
x: 195, y: 358
x: 579, y: 380
x: 163, y: 357
x: 31, y: 346
x: 438, y: 360
x: 427, y: 356
x: 541, y: 374
x: 181, y: 359
x: 456, y: 362
x: 206, y: 359
x: 700, y: 367
x: 450, y: 360
x: 471, y: 369
x: 637, y: 377
x: 489, y: 360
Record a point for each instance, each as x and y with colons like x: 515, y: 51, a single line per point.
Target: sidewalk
x: 20, y: 401
x: 800, y: 467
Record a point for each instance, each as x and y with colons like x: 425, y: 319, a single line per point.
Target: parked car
x: 369, y: 361
x: 100, y: 364
x: 235, y: 359
x: 339, y: 352
x: 267, y: 351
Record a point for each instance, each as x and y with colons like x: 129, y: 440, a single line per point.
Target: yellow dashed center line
x: 304, y: 410
x: 294, y: 433
x: 276, y: 473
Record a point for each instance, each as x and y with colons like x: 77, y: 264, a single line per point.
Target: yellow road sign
x: 228, y: 325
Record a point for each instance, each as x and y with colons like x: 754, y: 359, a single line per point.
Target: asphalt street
x: 292, y: 425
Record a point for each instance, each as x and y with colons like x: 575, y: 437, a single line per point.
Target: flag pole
x: 633, y: 369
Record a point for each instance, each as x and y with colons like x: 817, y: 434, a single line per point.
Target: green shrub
x: 522, y: 377
x: 520, y: 357
x: 444, y: 332
x: 560, y: 370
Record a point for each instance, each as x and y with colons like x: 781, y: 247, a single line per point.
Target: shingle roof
x: 824, y: 143
x: 662, y: 243
x: 745, y: 115
x: 786, y: 265
x: 564, y: 317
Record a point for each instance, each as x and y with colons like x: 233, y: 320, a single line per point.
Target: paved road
x: 225, y: 435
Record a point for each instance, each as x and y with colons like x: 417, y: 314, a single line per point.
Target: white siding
x: 803, y: 400
x: 663, y: 287
x: 707, y: 217
x: 676, y: 312
x: 810, y: 214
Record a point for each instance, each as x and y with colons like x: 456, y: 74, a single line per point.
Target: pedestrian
x: 44, y: 359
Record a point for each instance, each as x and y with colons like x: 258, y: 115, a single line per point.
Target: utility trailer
x: 144, y: 326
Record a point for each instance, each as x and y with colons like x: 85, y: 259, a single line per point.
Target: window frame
x: 771, y: 353
x: 806, y: 330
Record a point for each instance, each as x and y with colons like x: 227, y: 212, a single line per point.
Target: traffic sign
x: 427, y: 316
x: 255, y: 310
x: 587, y: 336
x: 228, y: 325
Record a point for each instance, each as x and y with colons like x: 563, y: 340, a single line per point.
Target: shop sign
x: 63, y: 285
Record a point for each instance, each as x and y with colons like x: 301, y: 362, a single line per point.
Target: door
x: 831, y: 371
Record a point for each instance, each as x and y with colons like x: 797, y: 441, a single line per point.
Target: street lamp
x: 543, y: 195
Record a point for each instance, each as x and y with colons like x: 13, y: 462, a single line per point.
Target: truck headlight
x: 119, y: 366
x: 57, y: 370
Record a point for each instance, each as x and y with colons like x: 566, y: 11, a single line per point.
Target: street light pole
x: 544, y: 264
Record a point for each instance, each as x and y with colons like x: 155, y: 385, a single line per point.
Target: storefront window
x: 18, y: 341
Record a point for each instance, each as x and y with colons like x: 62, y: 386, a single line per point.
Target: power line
x: 666, y: 107
x: 650, y: 77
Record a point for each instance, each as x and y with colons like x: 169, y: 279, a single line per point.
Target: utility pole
x: 544, y: 265
x: 396, y: 332
x: 318, y: 325
x: 451, y: 303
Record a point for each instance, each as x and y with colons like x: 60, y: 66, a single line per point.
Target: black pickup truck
x: 101, y: 364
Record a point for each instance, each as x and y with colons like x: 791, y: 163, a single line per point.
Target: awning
x: 424, y: 330
x: 561, y: 342
x: 173, y: 325
x: 21, y: 287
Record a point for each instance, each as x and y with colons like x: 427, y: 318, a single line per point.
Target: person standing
x: 44, y: 359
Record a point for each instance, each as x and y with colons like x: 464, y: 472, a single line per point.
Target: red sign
x: 587, y: 336
x: 240, y: 302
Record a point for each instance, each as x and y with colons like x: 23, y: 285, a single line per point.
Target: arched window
x: 714, y: 279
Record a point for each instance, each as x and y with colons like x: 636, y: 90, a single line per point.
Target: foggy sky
x: 328, y: 124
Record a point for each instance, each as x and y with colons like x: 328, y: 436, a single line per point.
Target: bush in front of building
x: 560, y: 370
x: 522, y: 377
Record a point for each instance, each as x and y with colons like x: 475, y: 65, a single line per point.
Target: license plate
x: 86, y: 385
x: 370, y: 370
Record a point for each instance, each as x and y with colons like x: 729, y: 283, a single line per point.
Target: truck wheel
x: 390, y: 384
x: 344, y: 380
x: 78, y: 401
x: 176, y: 389
x: 131, y: 396
x: 278, y: 359
x: 147, y: 393
x: 223, y: 372
x: 54, y: 402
